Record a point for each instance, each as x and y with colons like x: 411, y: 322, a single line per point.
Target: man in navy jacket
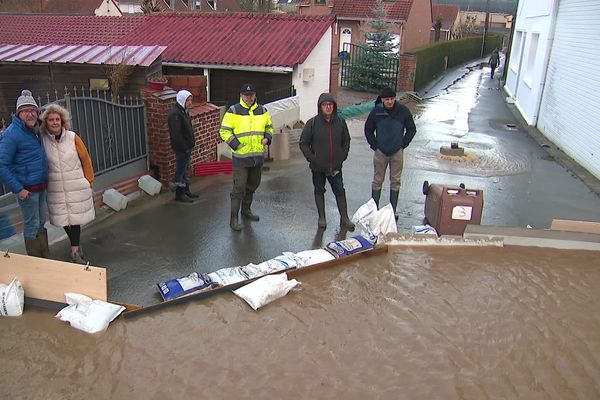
x: 389, y: 129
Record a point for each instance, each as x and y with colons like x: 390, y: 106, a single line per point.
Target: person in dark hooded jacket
x: 389, y: 129
x: 181, y: 132
x: 325, y: 143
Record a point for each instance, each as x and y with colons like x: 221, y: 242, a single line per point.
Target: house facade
x: 551, y: 75
x: 411, y: 20
x: 448, y: 16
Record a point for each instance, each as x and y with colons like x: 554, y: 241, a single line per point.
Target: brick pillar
x: 205, y: 119
x: 406, y: 73
x: 334, y: 73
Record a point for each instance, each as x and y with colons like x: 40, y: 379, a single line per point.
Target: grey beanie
x: 24, y: 100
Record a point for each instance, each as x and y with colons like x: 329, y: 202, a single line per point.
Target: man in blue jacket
x: 389, y: 129
x: 24, y: 170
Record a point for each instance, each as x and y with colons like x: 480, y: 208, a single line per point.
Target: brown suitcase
x: 450, y: 208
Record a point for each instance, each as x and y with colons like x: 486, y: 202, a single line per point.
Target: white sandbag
x: 310, y: 257
x: 12, y: 298
x: 264, y: 268
x: 88, y: 315
x: 362, y: 218
x: 228, y: 276
x: 383, y: 221
x: 266, y: 289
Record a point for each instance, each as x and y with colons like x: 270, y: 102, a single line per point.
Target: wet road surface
x: 156, y: 239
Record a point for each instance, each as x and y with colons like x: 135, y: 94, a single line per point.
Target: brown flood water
x: 417, y: 323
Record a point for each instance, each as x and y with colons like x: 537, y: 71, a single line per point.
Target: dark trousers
x: 336, y: 182
x: 74, y: 234
x: 245, y: 182
x: 182, y: 163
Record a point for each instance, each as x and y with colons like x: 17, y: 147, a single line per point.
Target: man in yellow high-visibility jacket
x: 247, y: 129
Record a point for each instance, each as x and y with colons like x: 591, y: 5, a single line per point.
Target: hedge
x: 430, y: 58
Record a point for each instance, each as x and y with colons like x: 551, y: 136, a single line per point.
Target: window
x: 515, y: 57
x: 212, y: 4
x: 99, y: 84
x: 531, y: 55
x: 320, y: 1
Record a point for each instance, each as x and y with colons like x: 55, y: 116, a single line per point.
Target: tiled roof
x: 363, y: 9
x: 241, y: 39
x: 233, y: 39
x: 56, y: 29
x: 81, y: 54
x: 447, y: 12
x: 82, y: 7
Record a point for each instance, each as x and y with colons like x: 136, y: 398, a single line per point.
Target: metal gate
x: 364, y: 69
x: 114, y: 133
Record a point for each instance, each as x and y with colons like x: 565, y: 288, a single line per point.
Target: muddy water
x: 417, y: 323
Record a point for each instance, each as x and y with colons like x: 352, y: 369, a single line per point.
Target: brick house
x: 449, y: 17
x: 411, y: 18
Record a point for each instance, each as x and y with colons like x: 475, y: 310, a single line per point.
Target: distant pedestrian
x: 493, y: 62
x: 325, y: 143
x: 183, y: 141
x: 70, y: 177
x: 247, y: 129
x: 24, y: 170
x: 389, y: 129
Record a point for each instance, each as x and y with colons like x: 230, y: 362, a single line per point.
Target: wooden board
x: 46, y: 279
x: 226, y: 289
x: 575, y: 226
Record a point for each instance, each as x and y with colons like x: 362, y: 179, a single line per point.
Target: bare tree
x: 149, y: 6
x: 263, y: 6
x: 119, y: 72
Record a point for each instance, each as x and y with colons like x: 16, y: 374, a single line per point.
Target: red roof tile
x: 363, y: 9
x: 243, y: 39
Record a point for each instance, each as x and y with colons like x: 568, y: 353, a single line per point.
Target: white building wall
x: 569, y: 111
x: 311, y: 78
x: 107, y: 9
x: 531, y: 46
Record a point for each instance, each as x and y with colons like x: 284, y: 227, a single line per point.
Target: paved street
x: 156, y: 239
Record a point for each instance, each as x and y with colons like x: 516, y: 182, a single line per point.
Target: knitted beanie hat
x: 26, y: 100
x: 387, y: 92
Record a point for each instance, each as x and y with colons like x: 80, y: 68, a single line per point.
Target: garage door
x: 569, y: 111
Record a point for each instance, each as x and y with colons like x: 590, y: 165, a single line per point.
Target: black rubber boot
x: 246, y: 212
x: 43, y: 239
x: 235, y: 210
x: 190, y: 194
x: 33, y: 247
x: 394, y: 201
x: 181, y: 196
x: 320, y: 202
x: 343, y: 209
x: 375, y: 195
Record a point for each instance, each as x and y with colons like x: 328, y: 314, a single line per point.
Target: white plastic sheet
x: 88, y: 315
x: 373, y: 223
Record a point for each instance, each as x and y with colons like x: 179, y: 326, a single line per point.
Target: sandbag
x: 88, y: 315
x: 12, y: 299
x: 266, y: 289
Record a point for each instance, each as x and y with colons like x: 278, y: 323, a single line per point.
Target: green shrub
x: 431, y: 59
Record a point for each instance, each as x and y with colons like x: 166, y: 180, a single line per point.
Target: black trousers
x: 74, y: 234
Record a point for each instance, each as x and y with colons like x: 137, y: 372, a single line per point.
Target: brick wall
x: 406, y: 73
x: 206, y: 122
x: 196, y: 84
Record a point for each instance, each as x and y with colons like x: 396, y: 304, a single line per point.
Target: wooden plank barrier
x: 213, y: 168
x: 575, y: 226
x: 45, y: 279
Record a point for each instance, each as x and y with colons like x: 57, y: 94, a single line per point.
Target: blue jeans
x: 336, y: 182
x: 33, y: 209
x: 182, y: 163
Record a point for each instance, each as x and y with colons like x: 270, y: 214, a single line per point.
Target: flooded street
x: 416, y: 323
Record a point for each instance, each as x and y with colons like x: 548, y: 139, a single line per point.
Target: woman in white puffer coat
x: 70, y: 177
